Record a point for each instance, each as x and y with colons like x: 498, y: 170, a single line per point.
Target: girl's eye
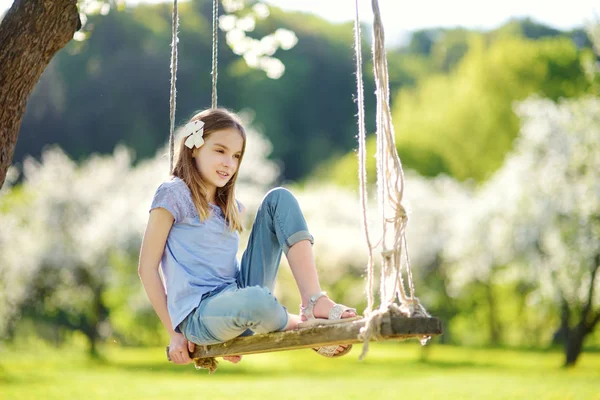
x: 220, y: 151
x: 238, y: 156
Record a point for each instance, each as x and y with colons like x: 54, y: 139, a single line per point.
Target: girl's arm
x: 153, y: 245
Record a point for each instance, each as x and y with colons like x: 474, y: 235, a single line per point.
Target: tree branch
x: 31, y: 33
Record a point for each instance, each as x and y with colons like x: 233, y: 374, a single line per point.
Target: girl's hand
x: 178, y: 349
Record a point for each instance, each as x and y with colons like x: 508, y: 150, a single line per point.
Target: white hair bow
x: 195, y: 131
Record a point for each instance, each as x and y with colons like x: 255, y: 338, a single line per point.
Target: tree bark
x: 588, y: 321
x: 562, y: 333
x: 574, y: 344
x: 31, y: 33
x: 495, y: 329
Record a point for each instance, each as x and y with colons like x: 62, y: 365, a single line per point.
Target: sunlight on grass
x: 390, y: 371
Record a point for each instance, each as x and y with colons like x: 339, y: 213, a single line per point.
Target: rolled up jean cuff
x: 287, y: 317
x: 295, y: 238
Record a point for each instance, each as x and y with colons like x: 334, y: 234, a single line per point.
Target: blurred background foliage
x: 72, y: 221
x: 114, y: 87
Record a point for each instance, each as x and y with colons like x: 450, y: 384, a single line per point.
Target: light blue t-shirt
x: 199, y: 256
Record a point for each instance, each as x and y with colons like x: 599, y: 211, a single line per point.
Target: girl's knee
x: 277, y: 195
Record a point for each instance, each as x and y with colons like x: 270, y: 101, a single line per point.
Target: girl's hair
x: 185, y: 168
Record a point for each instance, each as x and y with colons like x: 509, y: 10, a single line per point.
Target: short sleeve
x: 165, y: 197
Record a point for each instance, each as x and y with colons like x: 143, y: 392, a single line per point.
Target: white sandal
x: 335, y: 317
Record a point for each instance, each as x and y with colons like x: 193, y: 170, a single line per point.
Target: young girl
x: 192, y: 233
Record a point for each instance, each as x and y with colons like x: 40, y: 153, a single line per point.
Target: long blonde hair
x: 185, y: 168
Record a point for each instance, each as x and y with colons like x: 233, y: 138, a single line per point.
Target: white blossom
x: 287, y: 39
x: 268, y: 45
x: 272, y: 66
x: 258, y: 53
x: 235, y: 35
x: 231, y: 6
x: 246, y: 24
x: 227, y: 22
x: 261, y: 10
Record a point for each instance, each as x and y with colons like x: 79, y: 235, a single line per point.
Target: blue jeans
x: 248, y: 305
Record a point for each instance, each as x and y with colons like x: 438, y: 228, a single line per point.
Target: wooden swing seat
x: 392, y: 327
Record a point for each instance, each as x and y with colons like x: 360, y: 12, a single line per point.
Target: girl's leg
x: 301, y: 260
x: 279, y: 224
x: 279, y: 228
x: 233, y: 311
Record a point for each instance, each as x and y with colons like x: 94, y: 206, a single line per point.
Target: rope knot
x: 401, y: 213
x: 387, y: 254
x: 209, y: 363
x: 411, y: 307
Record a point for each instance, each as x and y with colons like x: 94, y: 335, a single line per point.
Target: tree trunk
x: 93, y: 344
x: 31, y: 33
x: 495, y: 334
x: 99, y: 316
x: 589, y: 320
x: 561, y: 335
x: 574, y: 344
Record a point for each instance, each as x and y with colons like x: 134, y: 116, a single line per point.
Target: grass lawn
x: 390, y: 371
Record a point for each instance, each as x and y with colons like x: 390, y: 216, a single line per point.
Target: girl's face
x: 219, y: 158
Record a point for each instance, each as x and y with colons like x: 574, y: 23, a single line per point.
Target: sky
x: 400, y: 17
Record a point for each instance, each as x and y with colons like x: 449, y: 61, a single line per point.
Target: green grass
x: 390, y: 371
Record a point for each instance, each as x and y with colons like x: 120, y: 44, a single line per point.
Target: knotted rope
x: 390, y: 191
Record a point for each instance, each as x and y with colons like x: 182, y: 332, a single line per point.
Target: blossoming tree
x: 559, y: 155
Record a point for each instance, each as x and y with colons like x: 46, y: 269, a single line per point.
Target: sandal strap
x: 336, y: 311
x: 308, y: 311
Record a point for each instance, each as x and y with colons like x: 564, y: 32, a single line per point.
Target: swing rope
x: 214, y: 72
x: 215, y: 42
x: 362, y: 173
x: 390, y: 191
x: 173, y: 96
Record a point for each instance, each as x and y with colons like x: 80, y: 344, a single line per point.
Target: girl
x: 192, y: 233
